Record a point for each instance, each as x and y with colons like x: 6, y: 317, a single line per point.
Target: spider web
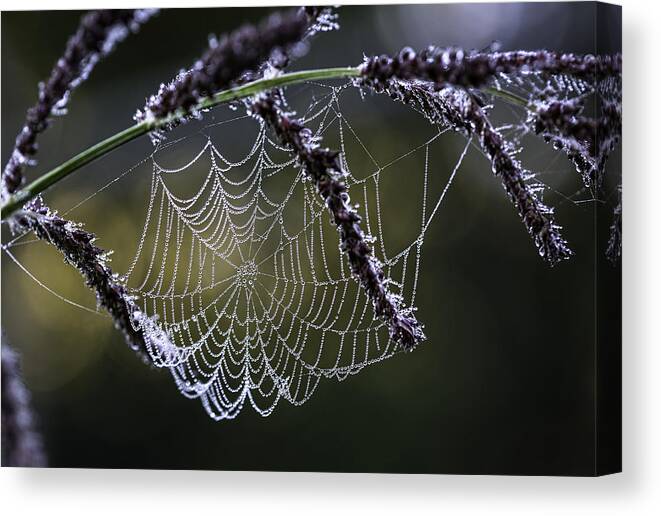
x: 249, y: 295
x: 245, y: 295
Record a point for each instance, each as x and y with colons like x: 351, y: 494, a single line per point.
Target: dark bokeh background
x: 505, y: 382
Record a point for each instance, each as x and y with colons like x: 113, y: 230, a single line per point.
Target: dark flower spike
x: 587, y: 141
x: 97, y: 35
x: 459, y: 109
x: 77, y: 247
x: 21, y: 444
x: 614, y: 248
x: 227, y: 59
x: 319, y: 19
x: 322, y: 166
x: 473, y: 69
x: 536, y: 216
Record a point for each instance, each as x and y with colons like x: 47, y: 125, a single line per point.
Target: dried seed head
x: 234, y: 58
x: 323, y: 167
x: 614, y: 249
x: 77, y: 247
x: 460, y: 110
x: 21, y: 444
x: 473, y: 69
x: 97, y: 35
x: 587, y: 141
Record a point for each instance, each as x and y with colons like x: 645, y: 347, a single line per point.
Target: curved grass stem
x: 30, y: 191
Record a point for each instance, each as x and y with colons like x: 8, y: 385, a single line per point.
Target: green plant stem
x: 18, y: 199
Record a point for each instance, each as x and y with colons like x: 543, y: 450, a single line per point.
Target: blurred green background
x: 506, y: 380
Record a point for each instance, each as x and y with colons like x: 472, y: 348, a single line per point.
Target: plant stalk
x: 18, y: 199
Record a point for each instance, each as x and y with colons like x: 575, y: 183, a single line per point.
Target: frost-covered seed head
x: 97, y: 35
x: 323, y: 166
x: 233, y: 58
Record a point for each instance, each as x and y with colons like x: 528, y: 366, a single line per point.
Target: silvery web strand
x: 97, y: 35
x: 21, y: 444
x: 324, y: 168
x: 77, y: 247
